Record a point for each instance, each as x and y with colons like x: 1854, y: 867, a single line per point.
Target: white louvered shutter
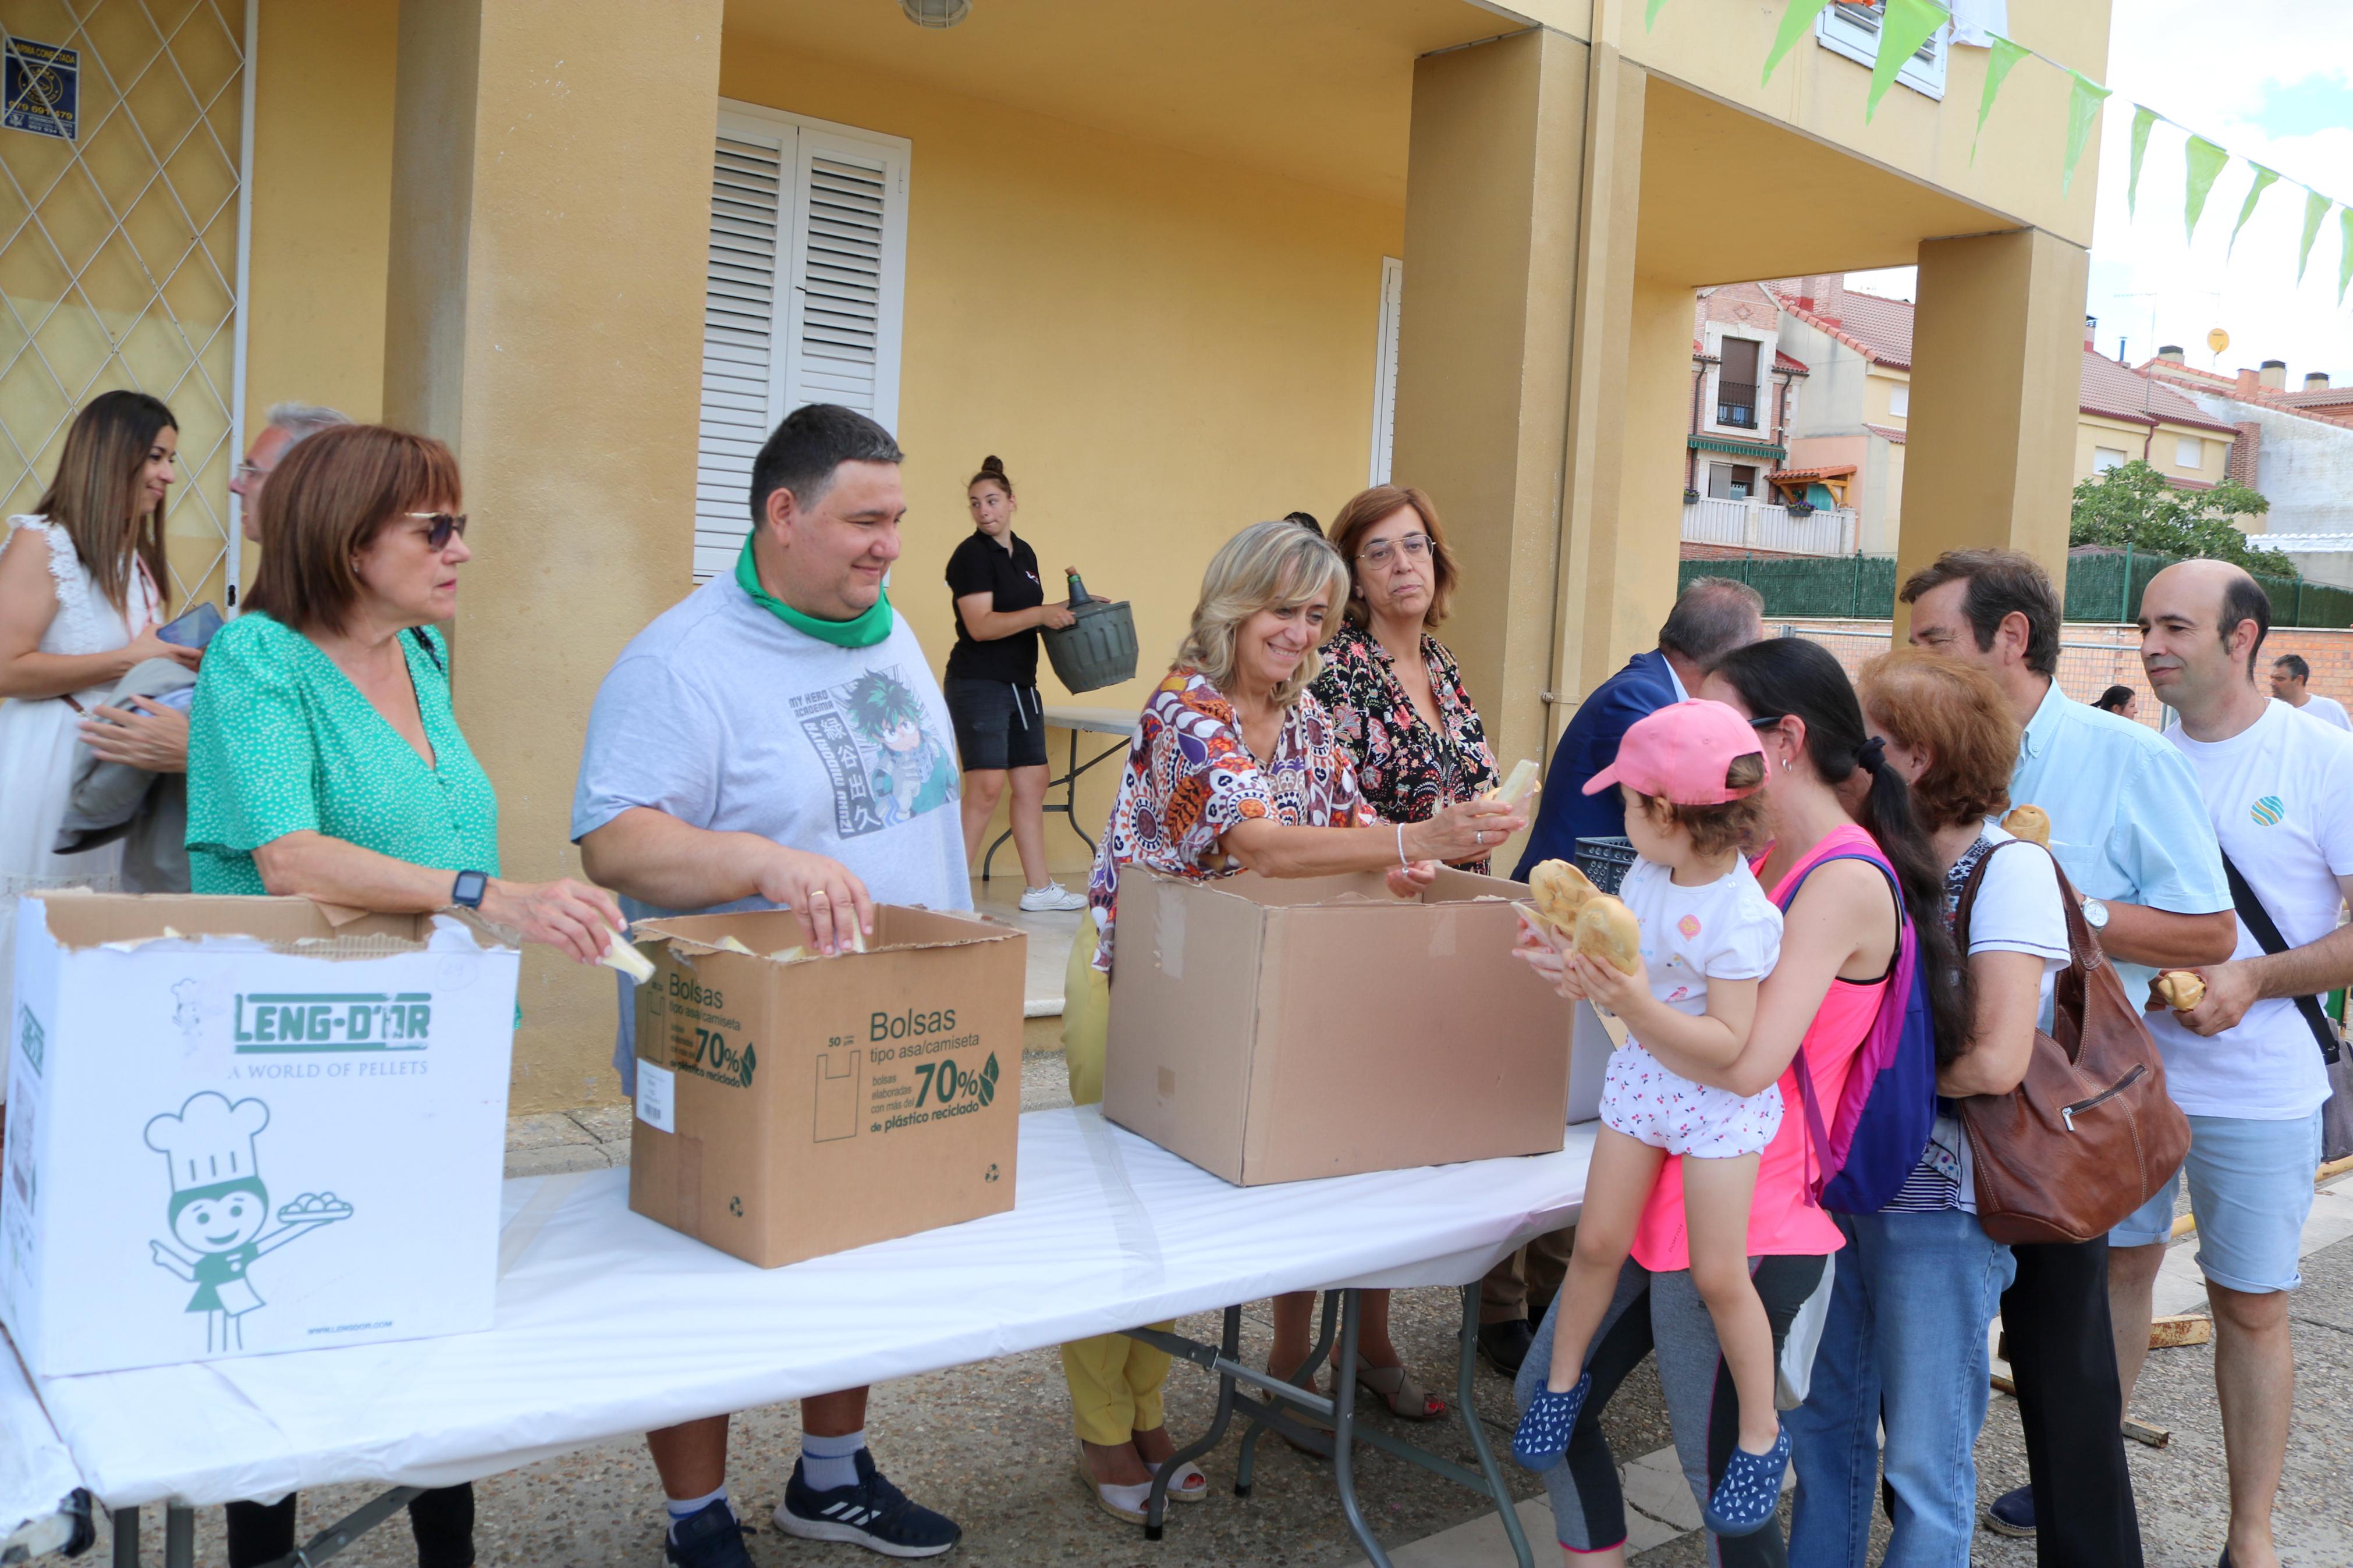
x: 802, y: 299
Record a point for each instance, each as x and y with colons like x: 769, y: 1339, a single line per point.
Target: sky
x: 2268, y: 79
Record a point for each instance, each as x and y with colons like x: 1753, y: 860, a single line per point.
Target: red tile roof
x: 2119, y: 392
x: 1879, y: 330
x: 1789, y: 363
x: 2300, y: 404
x: 1840, y: 471
x: 1888, y: 432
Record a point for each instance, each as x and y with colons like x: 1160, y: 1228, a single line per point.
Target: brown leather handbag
x: 2090, y: 1136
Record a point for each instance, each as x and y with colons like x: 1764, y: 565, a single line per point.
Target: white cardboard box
x: 270, y: 1131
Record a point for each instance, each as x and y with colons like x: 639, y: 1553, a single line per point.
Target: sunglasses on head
x: 443, y: 525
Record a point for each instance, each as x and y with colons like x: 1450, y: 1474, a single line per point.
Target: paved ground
x: 991, y: 1445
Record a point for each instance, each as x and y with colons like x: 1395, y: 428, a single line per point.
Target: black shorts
x: 998, y: 725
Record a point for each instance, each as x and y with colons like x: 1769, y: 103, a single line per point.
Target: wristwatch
x: 2095, y: 913
x: 469, y: 888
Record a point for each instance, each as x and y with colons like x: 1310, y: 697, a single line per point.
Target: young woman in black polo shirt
x: 992, y: 684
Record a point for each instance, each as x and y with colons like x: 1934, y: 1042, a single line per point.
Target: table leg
x: 126, y: 1538
x: 179, y: 1536
x: 1344, y: 1430
x: 1155, y: 1509
x: 1304, y: 1376
x: 1070, y: 793
x: 1465, y: 1374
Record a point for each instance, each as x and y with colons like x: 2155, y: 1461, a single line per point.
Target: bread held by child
x: 1607, y: 930
x: 1560, y: 889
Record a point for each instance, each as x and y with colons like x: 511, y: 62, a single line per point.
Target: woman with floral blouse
x: 1235, y: 767
x: 1394, y: 692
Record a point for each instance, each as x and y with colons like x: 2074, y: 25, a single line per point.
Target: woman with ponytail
x: 1841, y: 838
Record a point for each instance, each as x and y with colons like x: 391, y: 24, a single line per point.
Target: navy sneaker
x: 2013, y: 1513
x: 873, y: 1514
x: 708, y: 1538
x: 1744, y: 1501
x: 1543, y: 1435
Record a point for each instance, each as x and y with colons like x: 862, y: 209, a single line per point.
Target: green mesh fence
x: 2103, y: 587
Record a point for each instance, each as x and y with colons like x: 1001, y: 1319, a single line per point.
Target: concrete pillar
x: 549, y: 206
x: 1491, y: 229
x: 1997, y: 376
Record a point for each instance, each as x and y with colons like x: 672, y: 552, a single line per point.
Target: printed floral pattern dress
x: 1188, y: 778
x: 1407, y: 770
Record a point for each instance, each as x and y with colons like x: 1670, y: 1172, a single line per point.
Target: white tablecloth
x: 609, y: 1324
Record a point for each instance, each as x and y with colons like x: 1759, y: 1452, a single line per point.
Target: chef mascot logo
x: 219, y: 1216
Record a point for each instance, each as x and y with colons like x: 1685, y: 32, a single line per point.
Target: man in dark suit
x: 1712, y: 616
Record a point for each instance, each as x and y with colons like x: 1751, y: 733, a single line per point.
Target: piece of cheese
x: 729, y: 944
x: 619, y: 954
x: 1522, y: 783
x: 788, y: 954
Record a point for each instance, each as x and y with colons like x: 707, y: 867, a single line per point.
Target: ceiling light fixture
x: 935, y: 12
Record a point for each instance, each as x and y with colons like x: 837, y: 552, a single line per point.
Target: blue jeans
x: 1910, y: 1304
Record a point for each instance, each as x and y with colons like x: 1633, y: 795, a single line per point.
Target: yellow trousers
x: 1114, y: 1381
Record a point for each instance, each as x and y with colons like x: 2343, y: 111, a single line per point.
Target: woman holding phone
x: 82, y: 596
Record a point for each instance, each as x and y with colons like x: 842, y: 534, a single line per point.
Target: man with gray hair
x: 1712, y: 616
x: 291, y: 424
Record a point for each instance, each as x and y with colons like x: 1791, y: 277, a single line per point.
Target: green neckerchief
x: 859, y: 631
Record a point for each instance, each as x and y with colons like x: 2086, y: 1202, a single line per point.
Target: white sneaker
x: 1053, y: 898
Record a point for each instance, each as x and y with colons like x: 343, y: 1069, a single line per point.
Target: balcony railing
x: 1735, y: 404
x: 1760, y: 525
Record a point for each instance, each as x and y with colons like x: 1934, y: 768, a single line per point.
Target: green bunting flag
x: 2004, y: 54
x: 2084, y: 96
x: 2264, y: 179
x: 2315, y: 208
x: 1651, y: 14
x: 1794, y: 22
x: 2142, y: 119
x: 1903, y: 26
x: 2205, y: 161
x: 2345, y: 251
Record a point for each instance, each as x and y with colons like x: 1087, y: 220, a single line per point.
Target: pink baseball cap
x: 1680, y: 754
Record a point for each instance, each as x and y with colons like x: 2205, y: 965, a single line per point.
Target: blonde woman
x: 81, y: 594
x: 1235, y: 767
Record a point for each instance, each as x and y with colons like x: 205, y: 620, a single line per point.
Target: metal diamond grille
x: 117, y: 253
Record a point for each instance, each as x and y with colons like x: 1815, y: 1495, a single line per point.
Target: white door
x: 802, y: 297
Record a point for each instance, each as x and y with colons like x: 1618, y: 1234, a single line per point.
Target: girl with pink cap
x: 1689, y: 773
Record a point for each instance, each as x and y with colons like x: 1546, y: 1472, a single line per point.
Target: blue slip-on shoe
x: 2013, y: 1513
x: 1746, y: 1498
x: 1543, y: 1435
x: 708, y: 1538
x: 873, y: 1514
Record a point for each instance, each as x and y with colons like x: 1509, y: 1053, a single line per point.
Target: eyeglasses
x: 1413, y: 546
x: 251, y: 471
x: 444, y: 524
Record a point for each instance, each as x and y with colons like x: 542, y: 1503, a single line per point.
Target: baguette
x: 1515, y: 789
x: 619, y: 954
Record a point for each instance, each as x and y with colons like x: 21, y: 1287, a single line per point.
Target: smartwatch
x: 2095, y: 913
x: 469, y: 888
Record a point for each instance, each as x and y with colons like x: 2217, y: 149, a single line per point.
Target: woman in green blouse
x: 324, y: 759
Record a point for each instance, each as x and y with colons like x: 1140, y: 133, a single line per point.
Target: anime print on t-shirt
x: 885, y: 765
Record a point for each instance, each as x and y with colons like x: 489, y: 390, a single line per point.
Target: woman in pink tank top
x: 1829, y: 794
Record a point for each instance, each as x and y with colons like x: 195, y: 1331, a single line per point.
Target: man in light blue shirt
x: 2130, y: 828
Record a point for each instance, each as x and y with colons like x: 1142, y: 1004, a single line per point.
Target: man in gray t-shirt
x: 776, y: 740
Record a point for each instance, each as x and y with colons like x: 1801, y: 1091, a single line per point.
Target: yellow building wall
x: 1878, y: 397
x: 322, y: 208
x: 1162, y: 347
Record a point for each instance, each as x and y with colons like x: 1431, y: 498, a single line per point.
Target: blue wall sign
x: 40, y: 88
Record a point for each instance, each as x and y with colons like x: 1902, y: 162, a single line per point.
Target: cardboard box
x: 786, y: 1109
x: 273, y: 1132
x: 1275, y: 1030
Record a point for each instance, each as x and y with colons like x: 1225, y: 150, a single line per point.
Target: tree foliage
x: 2134, y: 505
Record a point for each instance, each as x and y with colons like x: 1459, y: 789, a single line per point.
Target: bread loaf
x: 2179, y: 989
x: 1607, y: 930
x: 619, y: 954
x: 1560, y: 889
x: 2031, y: 823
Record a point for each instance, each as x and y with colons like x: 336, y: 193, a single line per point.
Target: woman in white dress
x: 82, y: 595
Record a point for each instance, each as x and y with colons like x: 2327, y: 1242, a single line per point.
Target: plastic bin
x: 1605, y: 862
x: 1098, y: 649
